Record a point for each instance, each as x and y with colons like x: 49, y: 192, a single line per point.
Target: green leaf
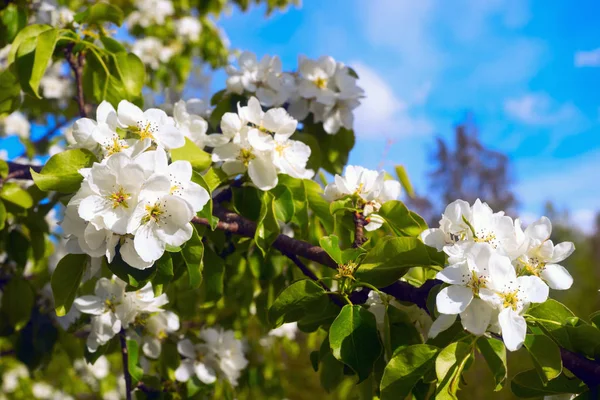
x: 135, y: 370
x: 2, y: 215
x: 65, y: 281
x: 61, y: 171
x: 400, y: 219
x: 267, y: 227
x: 192, y: 254
x: 207, y: 210
x: 545, y: 355
x: 31, y: 31
x: 321, y: 317
x: 449, y: 366
x: 399, y: 330
x: 213, y: 274
x: 112, y: 45
x: 318, y: 205
x: 409, y: 365
x: 296, y: 187
x: 389, y: 260
x: 10, y: 92
x: 284, y: 204
x: 33, y: 57
x: 12, y: 20
x: 529, y: 385
x: 334, y: 149
x: 18, y: 300
x: 552, y: 316
x: 135, y: 277
x: 292, y: 302
x: 331, y: 245
x: 494, y: 353
x: 214, y: 178
x: 99, y: 13
x: 14, y: 194
x: 132, y: 73
x: 354, y: 340
x: 199, y: 159
x: 331, y: 371
x: 164, y: 270
x: 405, y: 181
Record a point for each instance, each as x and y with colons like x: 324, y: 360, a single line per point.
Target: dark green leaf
x: 529, y: 385
x: 10, y: 92
x: 405, y: 369
x: 65, y: 281
x: 545, y: 355
x: 354, y: 340
x: 17, y: 301
x: 192, y: 254
x: 291, y: 303
x: 494, y: 353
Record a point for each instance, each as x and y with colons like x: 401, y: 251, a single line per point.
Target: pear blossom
x: 542, y: 256
x: 159, y: 219
x: 369, y: 186
x: 151, y: 51
x: 48, y: 12
x: 151, y: 12
x: 316, y: 77
x: 189, y: 118
x: 55, y: 84
x: 264, y: 79
x: 11, y: 378
x: 288, y: 331
x: 188, y: 28
x: 240, y: 156
x: 15, y: 123
x: 157, y: 328
x: 218, y: 353
x: 151, y: 124
x: 512, y: 295
x: 108, y: 310
x: 114, y: 188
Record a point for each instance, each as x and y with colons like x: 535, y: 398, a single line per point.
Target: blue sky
x: 526, y: 70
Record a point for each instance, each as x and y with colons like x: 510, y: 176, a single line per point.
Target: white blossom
x: 219, y: 352
x: 188, y: 28
x: 152, y: 52
x: 151, y: 12
x: 15, y: 124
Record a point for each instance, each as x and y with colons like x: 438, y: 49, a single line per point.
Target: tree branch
x: 125, y: 357
x: 76, y: 62
x: 585, y: 369
x: 359, y: 234
x: 20, y: 171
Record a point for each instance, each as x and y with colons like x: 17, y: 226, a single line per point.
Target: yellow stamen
x: 321, y: 83
x: 119, y: 198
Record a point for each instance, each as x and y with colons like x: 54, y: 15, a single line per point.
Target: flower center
x: 532, y: 265
x: 510, y: 299
x: 145, y: 129
x: 115, y: 146
x: 110, y: 305
x: 486, y: 237
x: 153, y: 213
x: 280, y: 148
x: 119, y: 198
x: 321, y: 83
x: 477, y: 282
x: 245, y: 156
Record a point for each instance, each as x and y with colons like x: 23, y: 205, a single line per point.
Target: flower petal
x: 185, y: 371
x: 443, y: 322
x: 476, y: 318
x: 262, y: 173
x: 557, y: 277
x: 457, y: 274
x: 513, y: 327
x: 453, y: 299
x: 532, y: 289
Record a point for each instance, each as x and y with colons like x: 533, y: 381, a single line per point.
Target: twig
x: 20, y: 171
x: 359, y: 234
x: 76, y: 62
x: 125, y: 357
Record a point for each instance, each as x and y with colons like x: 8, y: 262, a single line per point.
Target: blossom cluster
x: 113, y: 309
x: 259, y: 142
x: 495, y: 271
x: 217, y: 353
x: 134, y: 200
x: 370, y: 188
x: 324, y: 88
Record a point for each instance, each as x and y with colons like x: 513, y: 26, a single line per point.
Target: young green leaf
x: 449, y: 366
x: 409, y: 365
x: 199, y: 159
x: 400, y: 219
x: 17, y: 301
x: 135, y: 370
x: 99, y: 13
x: 61, y: 171
x: 31, y: 31
x: 354, y: 340
x: 14, y: 194
x: 331, y: 245
x: 405, y: 181
x: 267, y: 227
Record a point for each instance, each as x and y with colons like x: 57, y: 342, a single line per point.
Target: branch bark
x: 359, y: 233
x: 21, y: 171
x: 76, y: 62
x: 125, y: 357
x: 585, y: 369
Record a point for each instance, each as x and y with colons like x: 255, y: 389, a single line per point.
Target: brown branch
x: 76, y: 62
x: 125, y: 357
x: 359, y: 234
x: 21, y: 171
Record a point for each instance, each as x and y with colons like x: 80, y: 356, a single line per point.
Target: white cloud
x: 382, y: 114
x: 588, y: 58
x: 538, y: 109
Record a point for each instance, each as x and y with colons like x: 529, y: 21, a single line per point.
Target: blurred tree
x: 467, y: 170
